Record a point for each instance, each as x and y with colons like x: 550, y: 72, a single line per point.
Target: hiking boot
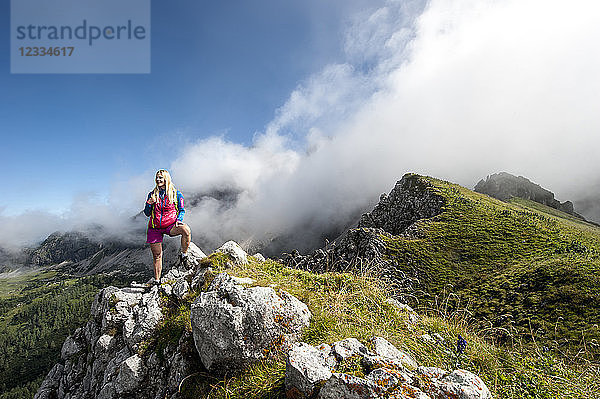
x: 152, y: 282
x: 184, y: 260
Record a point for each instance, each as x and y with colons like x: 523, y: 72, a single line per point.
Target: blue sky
x: 218, y: 68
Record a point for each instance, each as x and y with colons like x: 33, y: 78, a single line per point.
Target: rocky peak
x: 505, y: 186
x: 71, y: 246
x: 397, y: 213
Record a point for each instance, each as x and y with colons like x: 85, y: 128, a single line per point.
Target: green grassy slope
x: 521, y: 266
x: 345, y: 305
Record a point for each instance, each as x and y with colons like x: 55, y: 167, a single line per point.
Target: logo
x: 80, y: 36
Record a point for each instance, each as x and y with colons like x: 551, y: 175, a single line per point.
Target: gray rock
x: 195, y: 255
x: 233, y: 325
x: 349, y: 347
x: 344, y: 386
x: 101, y: 360
x: 131, y: 374
x: 438, y: 338
x: 259, y: 257
x: 107, y: 392
x: 181, y: 289
x: 70, y: 347
x: 431, y: 372
x: 306, y: 367
x: 389, y: 352
x: 236, y: 252
x: 51, y: 383
x: 199, y: 279
x: 413, y: 317
x: 388, y: 378
x: 243, y: 280
x: 427, y: 339
x: 460, y: 384
x: 143, y: 319
x: 412, y: 199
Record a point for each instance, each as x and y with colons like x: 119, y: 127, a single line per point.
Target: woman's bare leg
x: 156, y: 249
x: 186, y: 235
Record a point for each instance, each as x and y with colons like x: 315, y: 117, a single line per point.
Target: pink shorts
x: 156, y: 235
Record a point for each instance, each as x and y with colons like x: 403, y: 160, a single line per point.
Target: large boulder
x: 233, y: 325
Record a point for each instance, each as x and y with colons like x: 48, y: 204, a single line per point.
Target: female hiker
x: 165, y: 208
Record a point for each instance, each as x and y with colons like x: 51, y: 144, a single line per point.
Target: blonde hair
x: 170, y: 190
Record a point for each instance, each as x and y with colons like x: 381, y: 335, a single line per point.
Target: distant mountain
x: 505, y: 186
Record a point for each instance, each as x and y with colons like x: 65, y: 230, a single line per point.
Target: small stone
x: 259, y: 257
x: 243, y: 280
x: 349, y: 347
x: 438, y: 338
x: 181, y: 288
x: 427, y: 339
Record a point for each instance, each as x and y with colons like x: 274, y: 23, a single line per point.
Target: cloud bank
x: 456, y: 89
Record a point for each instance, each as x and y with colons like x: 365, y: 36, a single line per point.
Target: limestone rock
x: 389, y: 352
x: 233, y: 325
x: 349, y: 347
x: 259, y: 257
x: 344, y: 386
x: 181, y: 288
x: 131, y: 374
x: 306, y: 367
x: 461, y: 384
x: 71, y: 346
x: 109, y: 358
x: 236, y: 252
x: 388, y: 377
x: 397, y: 213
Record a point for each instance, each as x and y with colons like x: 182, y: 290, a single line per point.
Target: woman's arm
x: 148, y: 207
x: 180, y: 208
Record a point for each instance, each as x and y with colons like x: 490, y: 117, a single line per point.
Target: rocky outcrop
x: 109, y: 356
x: 504, y: 186
x: 386, y: 372
x: 397, y: 213
x: 234, y: 325
x: 119, y: 353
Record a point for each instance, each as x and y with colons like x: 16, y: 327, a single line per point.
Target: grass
x: 345, y: 305
x: 517, y: 266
